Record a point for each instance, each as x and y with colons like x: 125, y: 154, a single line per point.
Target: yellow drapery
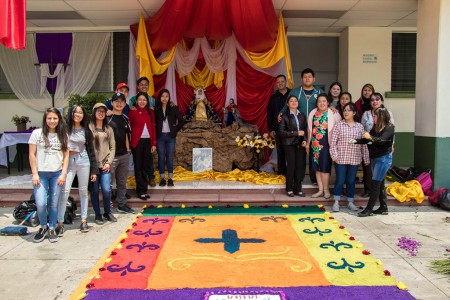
x: 406, y: 191
x: 204, y: 77
x: 279, y: 50
x: 181, y: 174
x: 148, y: 64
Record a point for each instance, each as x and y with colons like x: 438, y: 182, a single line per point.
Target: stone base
x: 206, y: 134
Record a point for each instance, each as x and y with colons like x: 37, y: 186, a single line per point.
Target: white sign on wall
x: 370, y: 58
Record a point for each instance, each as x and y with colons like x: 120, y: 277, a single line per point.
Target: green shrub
x: 89, y: 100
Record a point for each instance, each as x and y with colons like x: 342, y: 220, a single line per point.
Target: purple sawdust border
x: 290, y: 293
x: 238, y: 293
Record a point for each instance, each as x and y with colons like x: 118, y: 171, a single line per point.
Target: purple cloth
x: 24, y: 131
x: 52, y: 49
x: 290, y: 293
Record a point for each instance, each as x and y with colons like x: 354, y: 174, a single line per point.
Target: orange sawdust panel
x: 234, y: 251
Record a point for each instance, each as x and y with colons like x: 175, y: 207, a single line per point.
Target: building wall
x: 318, y: 53
x: 10, y: 107
x: 375, y: 43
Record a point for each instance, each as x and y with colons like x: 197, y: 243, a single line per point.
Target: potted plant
x: 20, y: 122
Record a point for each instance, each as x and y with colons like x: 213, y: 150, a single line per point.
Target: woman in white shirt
x: 49, y: 158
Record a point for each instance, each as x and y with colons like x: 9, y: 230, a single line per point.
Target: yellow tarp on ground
x: 404, y: 192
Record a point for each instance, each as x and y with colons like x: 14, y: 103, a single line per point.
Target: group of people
x: 329, y: 128
x: 97, y: 149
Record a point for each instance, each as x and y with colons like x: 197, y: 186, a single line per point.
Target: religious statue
x: 200, y: 109
x: 231, y: 114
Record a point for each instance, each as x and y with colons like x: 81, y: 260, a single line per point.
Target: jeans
x: 119, y: 170
x: 103, y: 180
x: 78, y: 165
x: 380, y: 166
x: 166, y: 147
x: 46, y: 196
x: 345, y: 174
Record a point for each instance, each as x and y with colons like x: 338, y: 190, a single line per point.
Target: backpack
x: 402, y: 175
x: 22, y: 210
x: 434, y: 197
x: 71, y: 208
x: 426, y: 182
x: 444, y: 200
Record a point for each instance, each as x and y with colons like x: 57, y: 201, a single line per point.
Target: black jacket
x: 381, y: 142
x: 276, y: 103
x: 91, y: 151
x: 174, y: 117
x: 288, y: 129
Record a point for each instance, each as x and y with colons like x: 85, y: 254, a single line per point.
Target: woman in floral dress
x: 321, y: 121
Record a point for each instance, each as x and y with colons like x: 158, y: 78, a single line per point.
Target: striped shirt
x: 341, y: 150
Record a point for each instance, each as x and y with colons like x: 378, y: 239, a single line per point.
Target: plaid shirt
x: 341, y: 150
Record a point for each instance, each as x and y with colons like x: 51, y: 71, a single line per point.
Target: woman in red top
x: 143, y: 141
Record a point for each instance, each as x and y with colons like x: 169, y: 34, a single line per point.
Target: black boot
x: 383, y: 209
x: 374, y: 193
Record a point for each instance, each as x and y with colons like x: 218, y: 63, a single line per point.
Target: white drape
x: 59, y: 73
x: 24, y: 77
x: 88, y: 53
x: 133, y: 66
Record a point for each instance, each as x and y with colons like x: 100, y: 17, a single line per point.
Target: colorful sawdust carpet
x: 271, y: 253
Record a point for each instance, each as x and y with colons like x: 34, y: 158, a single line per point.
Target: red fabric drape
x: 253, y: 91
x: 254, y: 23
x: 13, y: 23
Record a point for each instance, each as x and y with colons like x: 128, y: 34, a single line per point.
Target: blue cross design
x: 230, y: 240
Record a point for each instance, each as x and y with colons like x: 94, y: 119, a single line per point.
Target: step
x: 202, y: 197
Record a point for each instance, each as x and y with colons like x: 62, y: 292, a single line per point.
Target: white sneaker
x: 335, y: 206
x: 352, y: 206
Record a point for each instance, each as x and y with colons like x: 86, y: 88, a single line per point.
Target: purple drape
x: 52, y: 49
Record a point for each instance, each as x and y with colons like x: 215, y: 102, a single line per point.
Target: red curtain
x: 253, y: 92
x: 13, y: 23
x: 254, y: 23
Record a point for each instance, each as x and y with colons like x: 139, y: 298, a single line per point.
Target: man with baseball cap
x: 122, y: 134
x: 122, y: 88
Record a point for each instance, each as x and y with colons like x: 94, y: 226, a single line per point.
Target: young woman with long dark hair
x: 49, y: 158
x: 81, y: 163
x: 381, y: 137
x: 143, y: 142
x: 104, y: 149
x: 168, y: 122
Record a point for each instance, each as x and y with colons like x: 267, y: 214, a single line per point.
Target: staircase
x: 213, y: 195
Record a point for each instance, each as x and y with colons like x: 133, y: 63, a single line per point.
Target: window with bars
x: 115, y: 66
x: 403, y: 74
